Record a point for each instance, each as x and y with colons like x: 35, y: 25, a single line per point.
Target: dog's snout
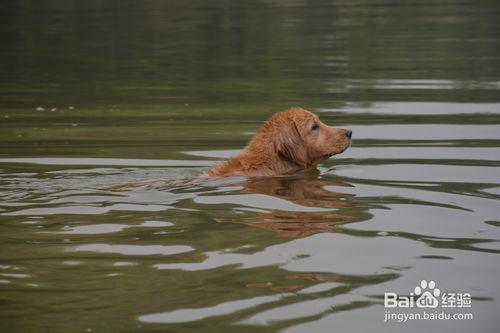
x: 348, y: 133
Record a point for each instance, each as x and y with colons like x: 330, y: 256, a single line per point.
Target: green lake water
x: 99, y: 93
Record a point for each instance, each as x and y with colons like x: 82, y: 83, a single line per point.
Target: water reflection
x: 308, y: 190
x: 291, y: 206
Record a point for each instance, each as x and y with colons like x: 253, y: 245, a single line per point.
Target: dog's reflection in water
x: 307, y: 190
x: 323, y: 206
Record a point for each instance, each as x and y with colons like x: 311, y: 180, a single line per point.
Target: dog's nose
x: 348, y: 133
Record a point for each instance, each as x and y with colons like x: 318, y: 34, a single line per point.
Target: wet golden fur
x: 289, y: 141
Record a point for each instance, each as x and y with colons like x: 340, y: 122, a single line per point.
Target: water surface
x: 104, y: 92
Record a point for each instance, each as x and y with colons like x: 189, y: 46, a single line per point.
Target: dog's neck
x: 262, y: 159
x: 294, y: 165
x: 270, y: 163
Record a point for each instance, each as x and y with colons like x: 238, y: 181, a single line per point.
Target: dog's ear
x: 290, y: 145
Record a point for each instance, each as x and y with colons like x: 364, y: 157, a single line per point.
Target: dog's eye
x: 315, y: 127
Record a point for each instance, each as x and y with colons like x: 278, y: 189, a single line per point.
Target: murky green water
x: 98, y: 93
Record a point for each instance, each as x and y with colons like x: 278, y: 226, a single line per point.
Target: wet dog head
x: 300, y: 137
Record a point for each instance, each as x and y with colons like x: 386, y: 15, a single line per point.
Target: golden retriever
x: 289, y: 141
